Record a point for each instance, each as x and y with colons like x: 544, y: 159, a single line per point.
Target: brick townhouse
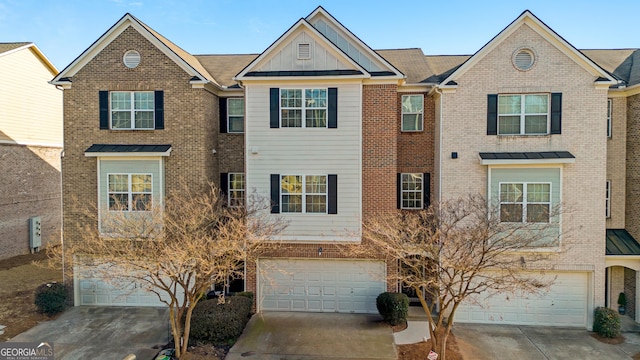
x: 332, y: 132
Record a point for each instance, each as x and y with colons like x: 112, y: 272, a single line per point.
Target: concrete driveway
x: 489, y: 342
x: 85, y: 332
x: 287, y: 335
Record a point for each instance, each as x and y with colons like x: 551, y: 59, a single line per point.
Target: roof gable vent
x: 304, y: 51
x: 131, y: 59
x: 523, y: 59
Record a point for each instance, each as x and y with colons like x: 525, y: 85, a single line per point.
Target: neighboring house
x: 30, y: 149
x: 334, y: 132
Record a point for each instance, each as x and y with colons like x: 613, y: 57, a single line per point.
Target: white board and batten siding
x: 286, y: 55
x: 309, y: 151
x: 345, y: 286
x: 564, y: 304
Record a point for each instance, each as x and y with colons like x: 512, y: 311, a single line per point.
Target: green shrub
x: 606, y: 322
x: 51, y: 298
x: 248, y: 294
x: 220, y: 324
x: 393, y: 307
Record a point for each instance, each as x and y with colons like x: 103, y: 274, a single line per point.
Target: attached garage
x: 346, y: 286
x: 92, y: 288
x: 565, y: 304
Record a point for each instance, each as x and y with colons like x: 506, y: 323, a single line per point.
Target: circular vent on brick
x: 523, y: 59
x: 131, y: 59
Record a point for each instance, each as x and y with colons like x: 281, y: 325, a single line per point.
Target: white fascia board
x: 526, y: 161
x: 544, y: 31
x: 371, y: 52
x: 128, y: 154
x: 301, y: 23
x: 111, y: 35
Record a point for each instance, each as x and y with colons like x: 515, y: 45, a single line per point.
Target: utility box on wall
x: 35, y: 233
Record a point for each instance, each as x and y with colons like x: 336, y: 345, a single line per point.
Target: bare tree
x: 460, y: 249
x: 177, y: 249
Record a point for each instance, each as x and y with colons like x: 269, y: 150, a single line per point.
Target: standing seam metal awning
x: 620, y: 242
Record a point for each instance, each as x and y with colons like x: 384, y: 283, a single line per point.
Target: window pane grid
x: 525, y: 202
x: 236, y: 189
x: 132, y: 109
x: 411, y: 189
x: 235, y: 115
x: 523, y: 114
x: 129, y: 192
x: 306, y: 194
x: 306, y: 108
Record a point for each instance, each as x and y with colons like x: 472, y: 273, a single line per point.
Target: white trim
x: 402, y: 113
x: 318, y: 36
x: 52, y: 69
x: 243, y: 190
x: 303, y: 195
x: 526, y: 161
x: 132, y: 110
x: 244, y: 116
x: 315, y: 239
x: 543, y: 30
x: 609, y: 123
x: 525, y: 201
x: 321, y: 11
x: 128, y: 154
x: 402, y: 191
x: 303, y: 108
x: 607, y: 198
x: 118, y: 28
x: 522, y: 114
x: 129, y: 193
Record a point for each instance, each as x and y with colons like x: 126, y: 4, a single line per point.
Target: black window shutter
x: 332, y: 110
x: 104, y: 109
x: 399, y: 190
x: 332, y: 206
x: 159, y: 109
x: 556, y: 113
x: 275, y: 193
x: 426, y: 190
x: 223, y: 115
x: 224, y: 183
x: 492, y: 114
x: 274, y: 108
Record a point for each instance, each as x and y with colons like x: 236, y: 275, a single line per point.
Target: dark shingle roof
x: 118, y: 148
x: 4, y: 47
x: 620, y: 242
x: 535, y: 155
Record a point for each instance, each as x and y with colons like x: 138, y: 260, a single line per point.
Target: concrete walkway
x: 84, y: 332
x: 289, y: 335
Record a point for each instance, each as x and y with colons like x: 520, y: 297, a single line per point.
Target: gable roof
x: 10, y: 48
x: 624, y: 64
x: 411, y: 62
x: 541, y: 28
x: 304, y: 23
x: 182, y: 58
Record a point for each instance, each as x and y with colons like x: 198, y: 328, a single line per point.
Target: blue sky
x: 62, y: 29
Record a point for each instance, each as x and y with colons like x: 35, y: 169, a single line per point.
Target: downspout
x: 439, y: 171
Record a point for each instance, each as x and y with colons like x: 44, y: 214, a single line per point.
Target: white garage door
x: 347, y: 286
x: 565, y: 304
x: 93, y: 289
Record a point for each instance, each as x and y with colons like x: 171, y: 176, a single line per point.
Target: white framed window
x: 609, y: 110
x: 412, y: 112
x: 523, y: 114
x: 236, y: 189
x: 132, y: 110
x: 235, y: 115
x: 303, y: 194
x: 525, y: 202
x: 608, y: 199
x: 130, y: 192
x: 306, y: 108
x: 412, y: 187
